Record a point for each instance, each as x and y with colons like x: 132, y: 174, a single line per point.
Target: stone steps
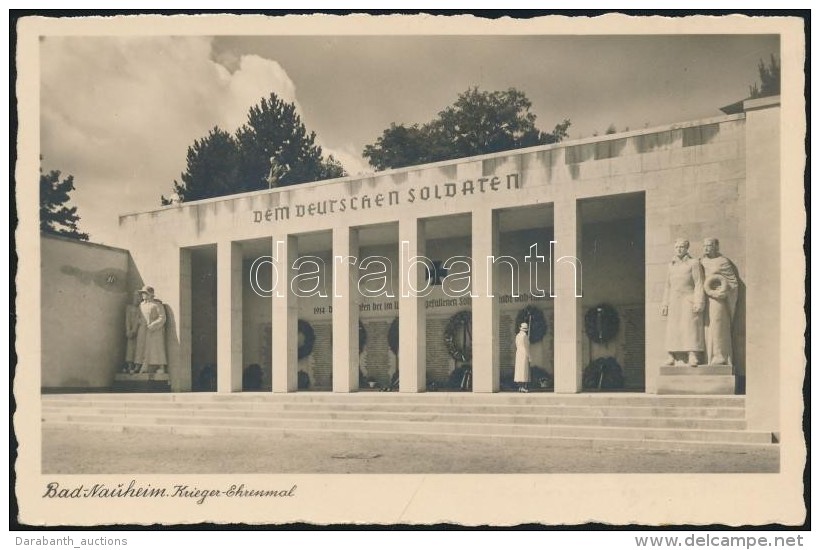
x: 430, y: 398
x: 495, y: 439
x: 594, y: 419
x: 395, y: 408
x: 528, y: 417
x: 220, y: 424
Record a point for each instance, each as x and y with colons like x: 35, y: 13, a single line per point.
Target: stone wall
x: 695, y: 189
x: 84, y: 289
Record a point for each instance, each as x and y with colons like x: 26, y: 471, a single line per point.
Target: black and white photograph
x: 410, y: 270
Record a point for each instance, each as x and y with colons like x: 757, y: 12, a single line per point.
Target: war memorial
x: 644, y: 262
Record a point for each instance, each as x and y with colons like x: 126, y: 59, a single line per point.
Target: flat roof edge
x: 462, y: 160
x: 83, y: 243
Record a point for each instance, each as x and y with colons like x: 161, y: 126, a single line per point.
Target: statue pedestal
x: 700, y: 380
x: 142, y: 382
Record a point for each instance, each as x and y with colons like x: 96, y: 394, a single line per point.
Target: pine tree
x: 55, y: 217
x: 769, y: 79
x: 212, y: 168
x: 222, y: 164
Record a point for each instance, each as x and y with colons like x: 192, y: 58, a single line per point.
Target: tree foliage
x: 212, y: 169
x: 479, y: 122
x: 55, y: 217
x: 769, y: 79
x: 223, y: 164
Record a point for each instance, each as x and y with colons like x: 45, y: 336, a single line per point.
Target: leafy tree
x: 479, y: 122
x: 401, y: 145
x: 55, y: 217
x: 769, y: 79
x: 223, y: 164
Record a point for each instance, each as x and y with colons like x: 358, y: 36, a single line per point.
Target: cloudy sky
x: 119, y: 112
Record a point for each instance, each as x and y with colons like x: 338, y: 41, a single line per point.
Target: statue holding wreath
x: 721, y: 284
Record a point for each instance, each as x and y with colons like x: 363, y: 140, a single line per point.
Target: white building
x: 617, y: 203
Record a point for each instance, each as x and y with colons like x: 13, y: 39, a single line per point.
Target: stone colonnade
x: 412, y: 315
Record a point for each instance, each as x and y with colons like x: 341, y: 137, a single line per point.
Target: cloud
x: 350, y: 158
x: 251, y: 82
x: 119, y: 114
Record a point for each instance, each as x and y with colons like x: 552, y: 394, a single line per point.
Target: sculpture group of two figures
x: 145, y: 333
x: 699, y: 303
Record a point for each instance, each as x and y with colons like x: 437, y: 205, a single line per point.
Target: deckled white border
x: 649, y: 499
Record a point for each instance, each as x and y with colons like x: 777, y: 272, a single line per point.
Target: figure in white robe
x: 522, y: 358
x: 721, y: 283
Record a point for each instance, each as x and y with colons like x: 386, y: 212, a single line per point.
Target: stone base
x: 141, y: 382
x: 700, y: 380
x: 141, y: 377
x: 700, y: 370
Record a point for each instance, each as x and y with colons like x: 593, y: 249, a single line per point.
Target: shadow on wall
x: 83, y: 290
x: 172, y: 343
x: 172, y: 347
x: 739, y: 337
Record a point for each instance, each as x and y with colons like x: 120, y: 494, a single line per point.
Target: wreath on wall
x: 393, y: 336
x: 302, y: 380
x: 534, y: 317
x: 362, y: 337
x: 461, y: 378
x: 458, y: 336
x: 603, y: 373
x: 308, y: 339
x: 601, y: 323
x: 541, y: 377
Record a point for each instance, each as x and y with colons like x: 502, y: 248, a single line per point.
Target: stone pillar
x: 284, y: 316
x: 229, y: 317
x: 179, y: 355
x: 412, y: 317
x: 486, y: 352
x: 345, y: 310
x: 566, y: 268
x: 763, y: 264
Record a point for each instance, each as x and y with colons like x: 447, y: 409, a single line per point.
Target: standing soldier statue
x: 276, y: 172
x: 150, y: 345
x: 132, y: 322
x: 683, y: 302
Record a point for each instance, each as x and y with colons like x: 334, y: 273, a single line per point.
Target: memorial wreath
x: 393, y: 336
x: 601, y: 323
x: 460, y: 322
x: 307, y: 340
x: 603, y: 373
x: 716, y: 286
x: 362, y: 337
x: 534, y: 317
